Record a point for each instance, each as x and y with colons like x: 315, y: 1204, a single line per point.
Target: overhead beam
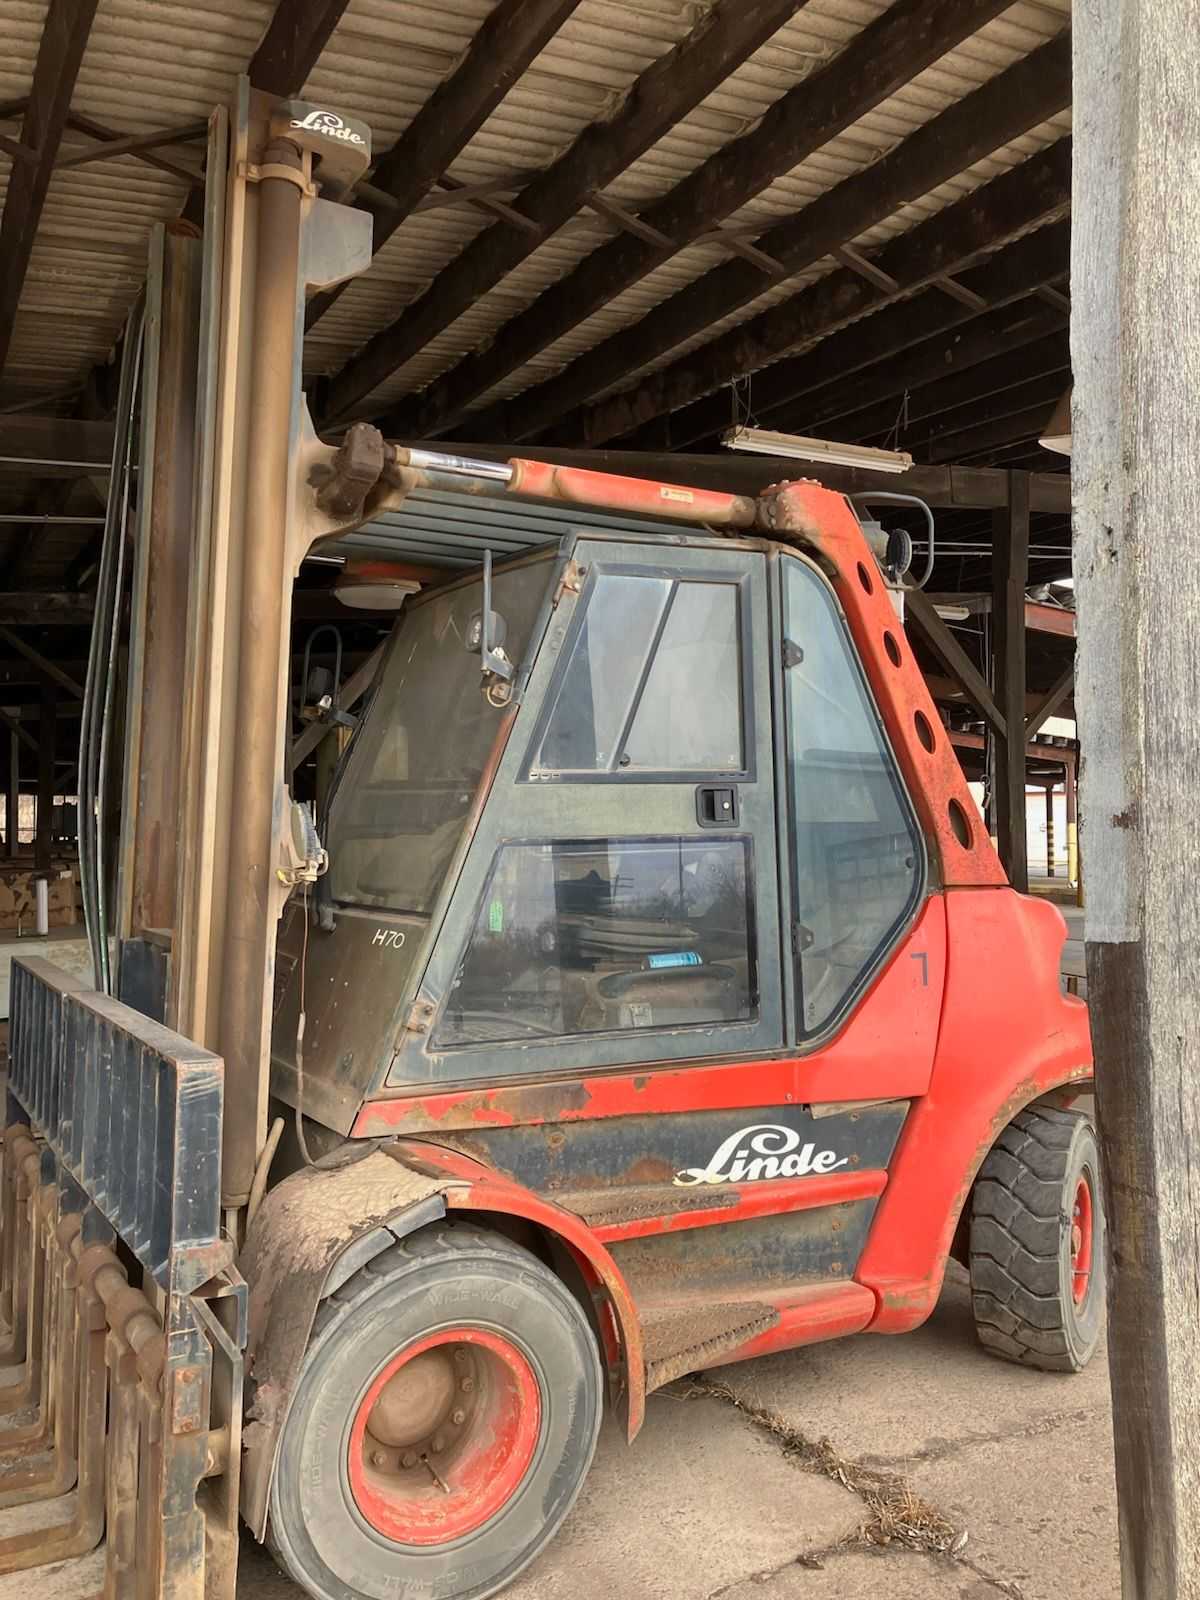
x: 296, y: 34
x: 668, y: 89
x: 1010, y: 575
x: 60, y: 52
x: 955, y: 659
x: 858, y: 361
x: 944, y: 488
x: 46, y: 447
x: 1028, y: 93
x: 888, y: 53
x: 1036, y: 192
x: 56, y: 607
x: 508, y: 40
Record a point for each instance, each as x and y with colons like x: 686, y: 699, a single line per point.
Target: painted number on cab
x: 388, y: 938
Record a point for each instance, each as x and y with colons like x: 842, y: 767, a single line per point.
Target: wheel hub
x: 1082, y: 1232
x: 444, y: 1436
x: 414, y: 1401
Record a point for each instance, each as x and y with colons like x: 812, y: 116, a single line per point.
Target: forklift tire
x: 443, y: 1423
x: 1037, y: 1243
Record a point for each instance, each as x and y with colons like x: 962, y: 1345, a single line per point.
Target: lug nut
x: 439, y: 1443
x: 409, y: 1458
x: 467, y: 1385
x: 378, y: 1459
x: 458, y: 1418
x: 460, y: 1355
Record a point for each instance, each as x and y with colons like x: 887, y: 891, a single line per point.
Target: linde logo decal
x: 329, y: 124
x: 765, y: 1150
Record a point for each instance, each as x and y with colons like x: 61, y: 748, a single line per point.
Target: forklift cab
x: 682, y: 834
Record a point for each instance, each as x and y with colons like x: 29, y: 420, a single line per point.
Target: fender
x: 1008, y: 1036
x: 319, y: 1226
x: 480, y: 1188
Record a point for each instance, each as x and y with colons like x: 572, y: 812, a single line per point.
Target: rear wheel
x: 442, y: 1426
x: 1037, y: 1242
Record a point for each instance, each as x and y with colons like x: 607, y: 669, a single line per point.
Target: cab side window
x: 604, y: 935
x: 652, y: 682
x: 857, y: 854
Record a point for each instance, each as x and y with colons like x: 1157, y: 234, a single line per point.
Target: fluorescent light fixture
x: 763, y: 442
x: 953, y: 613
x: 1058, y: 430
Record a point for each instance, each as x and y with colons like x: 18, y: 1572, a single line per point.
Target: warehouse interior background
x: 605, y: 231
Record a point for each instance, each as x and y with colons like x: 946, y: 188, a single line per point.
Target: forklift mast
x: 650, y: 996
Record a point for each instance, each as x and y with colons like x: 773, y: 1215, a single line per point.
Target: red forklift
x: 645, y: 994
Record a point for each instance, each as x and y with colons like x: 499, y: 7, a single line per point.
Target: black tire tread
x: 442, y: 1240
x: 1015, y: 1241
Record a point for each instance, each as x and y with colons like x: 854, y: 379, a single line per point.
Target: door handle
x: 716, y: 806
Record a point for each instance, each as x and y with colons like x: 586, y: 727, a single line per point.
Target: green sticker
x: 496, y: 916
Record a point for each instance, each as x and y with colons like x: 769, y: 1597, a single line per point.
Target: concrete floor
x: 706, y: 1503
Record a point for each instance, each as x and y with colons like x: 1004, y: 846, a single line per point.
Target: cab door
x: 619, y: 902
x: 866, y: 918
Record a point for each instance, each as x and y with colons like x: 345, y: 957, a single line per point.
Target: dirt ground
x: 728, y: 1495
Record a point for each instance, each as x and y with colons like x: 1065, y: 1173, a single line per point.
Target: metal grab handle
x: 890, y: 498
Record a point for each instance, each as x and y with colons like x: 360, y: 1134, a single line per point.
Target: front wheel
x: 443, y: 1423
x: 1037, y: 1242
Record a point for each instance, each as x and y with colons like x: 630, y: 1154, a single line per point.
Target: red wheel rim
x: 1082, y: 1232
x: 444, y: 1436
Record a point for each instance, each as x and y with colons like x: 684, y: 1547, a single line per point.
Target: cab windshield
x: 412, y: 774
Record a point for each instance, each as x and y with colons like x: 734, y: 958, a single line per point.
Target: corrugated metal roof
x: 160, y: 63
x: 437, y: 528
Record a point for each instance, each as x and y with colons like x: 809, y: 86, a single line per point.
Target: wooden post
x: 1135, y: 343
x: 12, y: 827
x: 1050, y: 788
x: 1010, y: 574
x: 47, y: 747
x: 1072, y: 824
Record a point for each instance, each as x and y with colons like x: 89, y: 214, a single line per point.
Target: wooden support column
x: 1010, y: 574
x: 47, y: 749
x: 1072, y: 824
x: 1135, y: 344
x: 12, y: 815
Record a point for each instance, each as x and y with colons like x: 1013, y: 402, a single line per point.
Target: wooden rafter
x: 1038, y: 388
x: 861, y: 356
x: 886, y: 54
x: 64, y: 39
x: 297, y: 33
x: 506, y: 43
x: 668, y: 89
x: 898, y: 366
x: 119, y: 144
x: 930, y: 411
x: 989, y: 433
x: 1031, y: 194
x: 1028, y: 92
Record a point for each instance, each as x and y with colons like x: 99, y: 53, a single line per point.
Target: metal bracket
x: 255, y: 172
